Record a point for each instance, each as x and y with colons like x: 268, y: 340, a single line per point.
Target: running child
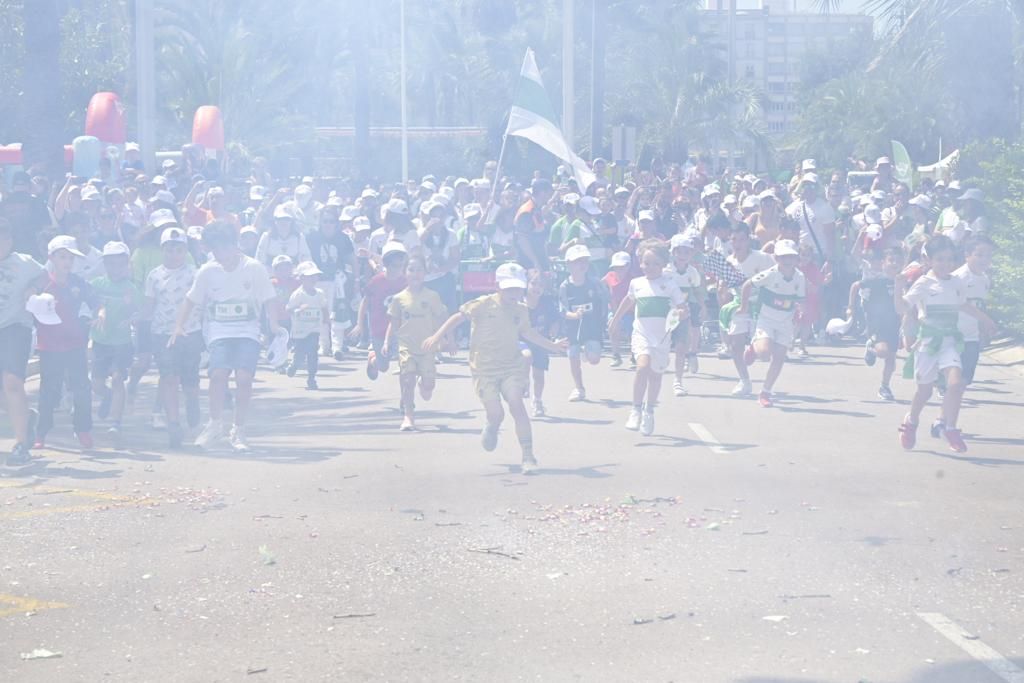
x: 120, y: 303
x: 166, y: 287
x: 19, y: 277
x: 495, y: 359
x: 415, y: 312
x: 373, y: 309
x: 617, y: 280
x: 739, y: 325
x: 63, y: 347
x: 651, y: 298
x: 691, y: 284
x: 581, y: 299
x: 780, y: 289
x: 876, y: 291
x: 546, y: 321
x: 285, y: 283
x: 978, y: 250
x: 307, y: 308
x: 934, y: 304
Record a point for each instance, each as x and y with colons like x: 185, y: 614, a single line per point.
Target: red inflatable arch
x: 208, y: 128
x: 105, y: 118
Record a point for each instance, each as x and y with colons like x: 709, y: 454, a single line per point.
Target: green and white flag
x: 534, y: 118
x: 902, y: 167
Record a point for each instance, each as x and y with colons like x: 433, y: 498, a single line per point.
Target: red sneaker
x: 371, y: 365
x: 765, y: 399
x: 749, y: 356
x: 908, y: 434
x: 85, y: 439
x: 955, y: 441
x: 39, y: 444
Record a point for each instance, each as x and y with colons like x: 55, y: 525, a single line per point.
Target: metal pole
x: 731, y: 27
x: 145, y: 82
x: 568, y: 80
x: 599, y: 33
x: 405, y: 123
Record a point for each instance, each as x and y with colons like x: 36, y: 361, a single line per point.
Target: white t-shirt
x: 755, y: 262
x: 976, y: 287
x: 232, y: 300
x: 90, y: 265
x: 438, y: 256
x: 307, y: 312
x: 937, y: 301
x: 654, y: 300
x: 687, y: 281
x: 293, y: 246
x: 381, y: 236
x: 822, y: 218
x: 777, y: 295
x: 167, y: 288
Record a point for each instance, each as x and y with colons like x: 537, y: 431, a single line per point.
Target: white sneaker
x: 529, y: 465
x: 538, y: 409
x: 159, y: 421
x: 238, y: 441
x: 677, y: 388
x: 576, y: 395
x: 742, y: 388
x: 212, y: 434
x: 647, y: 422
x: 633, y: 422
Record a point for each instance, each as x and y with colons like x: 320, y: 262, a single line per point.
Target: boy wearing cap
x: 63, y: 355
x: 308, y: 309
x: 232, y: 290
x: 112, y: 352
x: 19, y: 276
x: 582, y: 302
x: 876, y: 291
x: 780, y: 290
x: 178, y: 363
x: 415, y: 312
x: 691, y: 284
x: 617, y: 281
x: 373, y: 310
x: 285, y: 283
x: 498, y: 322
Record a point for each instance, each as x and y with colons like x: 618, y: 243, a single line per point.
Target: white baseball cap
x: 511, y: 275
x: 645, y: 215
x: 571, y: 198
x: 361, y: 223
x: 368, y: 193
x: 620, y: 259
x: 158, y: 180
x: 973, y: 193
x: 257, y: 193
x: 307, y: 268
x: 393, y: 247
x: 590, y: 205
x: 195, y: 232
x: 303, y: 190
x: 90, y: 193
x: 766, y: 194
x: 66, y: 242
x: 173, y: 235
x: 576, y: 252
x: 397, y: 206
x: 809, y: 178
x: 922, y: 200
x: 428, y: 185
x: 248, y: 230
x: 280, y: 259
x: 162, y: 217
x: 471, y: 210
x: 215, y: 192
x: 168, y: 163
x: 883, y: 160
x: 786, y: 248
x: 349, y: 213
x: 808, y: 165
x: 43, y: 308
x: 750, y: 202
x: 164, y: 196
x: 285, y: 210
x: 116, y: 249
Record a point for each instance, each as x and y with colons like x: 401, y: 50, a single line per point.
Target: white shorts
x: 778, y: 332
x: 640, y: 345
x: 741, y: 323
x: 927, y: 365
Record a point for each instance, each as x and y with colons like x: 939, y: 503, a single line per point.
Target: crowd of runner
x: 195, y: 274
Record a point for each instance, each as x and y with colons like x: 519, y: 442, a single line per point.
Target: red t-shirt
x: 72, y: 333
x: 618, y: 286
x: 378, y: 293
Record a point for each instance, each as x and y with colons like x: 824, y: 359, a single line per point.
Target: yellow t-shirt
x: 494, y: 340
x: 420, y: 315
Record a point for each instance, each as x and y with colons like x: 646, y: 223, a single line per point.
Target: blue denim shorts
x: 234, y: 354
x: 590, y: 347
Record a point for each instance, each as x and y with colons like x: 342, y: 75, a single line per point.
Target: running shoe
x: 765, y: 399
x: 489, y: 438
x: 339, y: 356
x: 407, y: 426
x: 292, y: 370
x: 937, y: 428
x: 802, y: 354
x: 159, y: 421
x: 38, y: 443
x: 724, y: 353
x: 212, y: 434
x: 869, y: 352
x: 616, y: 361
x: 632, y: 361
x: 749, y: 356
x: 633, y: 421
x: 956, y: 441
x: 84, y: 439
x: 677, y: 389
x: 238, y: 440
x: 647, y: 422
x: 538, y: 409
x: 311, y: 384
x: 908, y: 434
x: 425, y: 394
x: 529, y: 465
x: 19, y: 456
x: 116, y: 437
x: 577, y: 395
x: 885, y: 393
x: 371, y: 365
x: 693, y: 363
x: 742, y: 388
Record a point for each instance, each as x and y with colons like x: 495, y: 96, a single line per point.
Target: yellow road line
x: 20, y: 605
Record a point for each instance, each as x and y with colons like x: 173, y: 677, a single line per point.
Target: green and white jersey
x: 777, y: 297
x: 938, y: 303
x: 976, y: 286
x: 689, y: 281
x: 654, y: 299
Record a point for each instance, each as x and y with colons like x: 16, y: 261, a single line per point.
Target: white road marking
x: 998, y: 664
x: 708, y: 438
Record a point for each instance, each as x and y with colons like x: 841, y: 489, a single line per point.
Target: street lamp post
x: 145, y: 86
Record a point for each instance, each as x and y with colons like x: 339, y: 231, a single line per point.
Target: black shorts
x: 15, y: 350
x: 695, y: 321
x: 110, y: 358
x: 181, y: 360
x: 143, y: 337
x: 969, y: 360
x: 885, y: 329
x: 539, y: 358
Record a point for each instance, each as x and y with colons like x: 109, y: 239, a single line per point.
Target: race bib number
x: 782, y: 304
x: 583, y: 308
x: 308, y: 315
x: 231, y: 312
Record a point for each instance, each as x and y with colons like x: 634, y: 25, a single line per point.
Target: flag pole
x: 504, y: 137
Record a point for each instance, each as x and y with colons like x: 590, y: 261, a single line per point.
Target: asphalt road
x: 792, y: 544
